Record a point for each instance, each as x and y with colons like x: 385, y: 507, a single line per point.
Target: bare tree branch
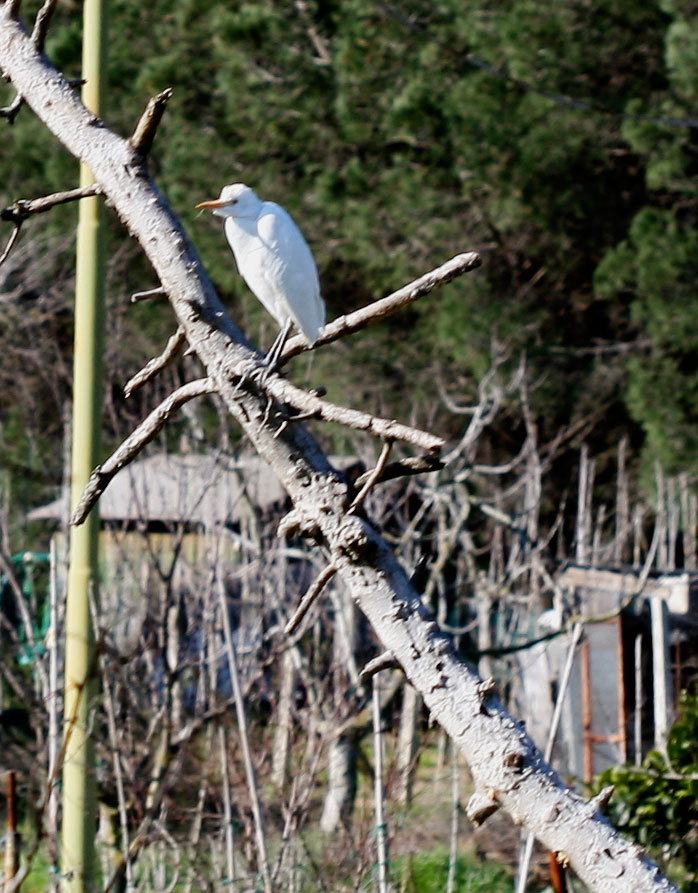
x: 10, y: 243
x: 12, y: 110
x: 134, y: 443
x: 373, y: 477
x: 41, y: 23
x: 377, y: 310
x: 22, y: 209
x: 311, y: 406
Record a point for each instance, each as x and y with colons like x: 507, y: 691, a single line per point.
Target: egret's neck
x: 241, y: 232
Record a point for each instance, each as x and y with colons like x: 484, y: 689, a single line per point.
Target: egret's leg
x: 271, y: 360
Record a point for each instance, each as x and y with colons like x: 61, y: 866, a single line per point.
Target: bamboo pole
x: 233, y: 665
x: 79, y: 809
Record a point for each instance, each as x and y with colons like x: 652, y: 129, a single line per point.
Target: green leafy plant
x: 657, y: 803
x: 428, y: 873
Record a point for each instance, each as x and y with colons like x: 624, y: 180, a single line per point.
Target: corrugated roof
x: 195, y: 488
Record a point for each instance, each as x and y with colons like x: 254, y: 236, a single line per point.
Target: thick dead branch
x: 374, y: 312
x: 311, y: 406
x: 152, y: 367
x: 505, y: 765
x: 134, y: 443
x: 144, y: 133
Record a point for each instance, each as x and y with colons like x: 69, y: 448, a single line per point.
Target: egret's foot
x: 259, y: 373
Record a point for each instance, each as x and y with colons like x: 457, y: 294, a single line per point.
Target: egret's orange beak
x: 213, y: 203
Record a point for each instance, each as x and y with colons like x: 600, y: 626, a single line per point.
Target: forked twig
x: 23, y: 209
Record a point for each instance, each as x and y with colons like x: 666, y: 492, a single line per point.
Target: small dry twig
x: 309, y: 598
x: 141, y: 139
x: 373, y: 477
x: 384, y: 661
x: 402, y: 468
x: 152, y: 367
x: 41, y: 23
x: 149, y: 293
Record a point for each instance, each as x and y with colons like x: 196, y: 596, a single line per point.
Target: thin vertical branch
x: 639, y: 696
x: 455, y: 810
x: 244, y: 742
x: 231, y: 869
x: 661, y: 522
x: 116, y: 755
x: 379, y: 791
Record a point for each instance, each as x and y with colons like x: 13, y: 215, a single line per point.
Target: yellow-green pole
x: 79, y: 788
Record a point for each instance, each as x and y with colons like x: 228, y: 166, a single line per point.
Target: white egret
x: 274, y: 260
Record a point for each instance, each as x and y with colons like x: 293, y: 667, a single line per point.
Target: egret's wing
x: 291, y: 270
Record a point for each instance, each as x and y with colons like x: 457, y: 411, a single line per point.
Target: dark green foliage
x: 657, y: 805
x: 398, y: 135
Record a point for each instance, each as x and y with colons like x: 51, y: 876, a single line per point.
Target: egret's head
x: 236, y: 200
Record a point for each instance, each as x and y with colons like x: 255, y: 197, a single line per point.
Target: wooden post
x: 587, y: 714
x: 622, y: 505
x: 663, y: 702
x: 638, y: 700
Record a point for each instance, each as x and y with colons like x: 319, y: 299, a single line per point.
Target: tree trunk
x: 507, y: 770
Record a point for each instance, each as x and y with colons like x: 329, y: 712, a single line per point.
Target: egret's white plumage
x: 273, y: 258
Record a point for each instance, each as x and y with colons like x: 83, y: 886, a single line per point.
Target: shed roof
x: 193, y: 488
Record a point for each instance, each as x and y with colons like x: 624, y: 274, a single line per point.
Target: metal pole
x: 79, y: 807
